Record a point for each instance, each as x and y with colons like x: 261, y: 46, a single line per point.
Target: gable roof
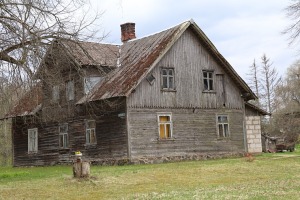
x: 139, y: 56
x: 136, y: 58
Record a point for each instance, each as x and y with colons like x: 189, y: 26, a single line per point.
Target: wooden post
x: 81, y: 169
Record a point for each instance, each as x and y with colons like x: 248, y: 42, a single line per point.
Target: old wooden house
x: 167, y: 96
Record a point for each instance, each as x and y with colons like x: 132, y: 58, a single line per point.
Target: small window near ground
x: 70, y: 93
x: 223, y: 126
x: 168, y: 79
x: 32, y: 140
x: 91, y: 132
x: 208, y: 80
x: 165, y: 126
x: 63, y: 136
x: 90, y: 82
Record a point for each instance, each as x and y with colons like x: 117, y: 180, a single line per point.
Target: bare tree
x: 253, y: 81
x: 293, y: 30
x: 269, y: 82
x: 27, y: 27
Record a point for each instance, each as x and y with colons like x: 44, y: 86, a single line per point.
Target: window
x: 168, y: 82
x: 165, y: 126
x: 223, y: 126
x: 63, y: 136
x: 32, y: 140
x: 90, y: 132
x: 55, y: 93
x: 90, y: 82
x: 70, y: 90
x: 208, y: 80
x: 150, y: 78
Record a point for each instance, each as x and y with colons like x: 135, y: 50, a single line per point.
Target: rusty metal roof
x: 29, y: 104
x: 139, y: 55
x: 137, y: 58
x: 132, y: 61
x: 91, y: 53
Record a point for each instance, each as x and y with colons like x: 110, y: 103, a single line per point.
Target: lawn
x: 269, y: 176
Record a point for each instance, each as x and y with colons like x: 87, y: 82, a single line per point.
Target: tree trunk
x: 81, y: 169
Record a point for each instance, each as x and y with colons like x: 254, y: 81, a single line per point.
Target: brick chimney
x: 127, y: 31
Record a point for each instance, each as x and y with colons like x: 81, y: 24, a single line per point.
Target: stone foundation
x: 166, y: 159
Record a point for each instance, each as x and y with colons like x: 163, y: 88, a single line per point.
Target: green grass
x: 269, y: 176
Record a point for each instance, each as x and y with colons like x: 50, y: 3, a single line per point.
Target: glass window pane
x: 205, y: 74
x: 88, y: 132
x: 162, y: 131
x: 220, y: 130
x: 171, y: 81
x: 93, y: 136
x: 171, y: 72
x: 226, y: 132
x: 164, y: 118
x: 210, y: 74
x: 168, y: 131
x: 210, y: 84
x: 205, y: 84
x: 165, y: 82
x: 60, y: 141
x: 164, y: 72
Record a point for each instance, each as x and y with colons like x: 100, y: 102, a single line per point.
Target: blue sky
x: 242, y: 30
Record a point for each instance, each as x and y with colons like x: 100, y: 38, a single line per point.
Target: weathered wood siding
x: 194, y: 132
x: 188, y: 57
x: 111, y: 136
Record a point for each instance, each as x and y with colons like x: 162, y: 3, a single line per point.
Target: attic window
x: 150, y: 78
x: 90, y: 82
x: 208, y: 80
x: 167, y: 79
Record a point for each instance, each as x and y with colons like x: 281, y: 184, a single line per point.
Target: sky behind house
x: 242, y: 30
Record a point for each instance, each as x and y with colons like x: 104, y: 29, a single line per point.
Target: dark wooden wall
x: 111, y: 136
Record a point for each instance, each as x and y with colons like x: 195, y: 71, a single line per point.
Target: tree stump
x: 81, y: 169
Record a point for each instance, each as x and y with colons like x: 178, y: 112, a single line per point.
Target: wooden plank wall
x: 194, y: 131
x: 188, y: 57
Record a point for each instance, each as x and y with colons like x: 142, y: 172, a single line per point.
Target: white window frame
x: 90, y: 82
x: 89, y: 131
x: 70, y: 90
x: 223, y: 124
x: 165, y: 124
x: 63, y: 136
x: 33, y: 140
x: 167, y: 76
x: 55, y: 92
x: 210, y: 87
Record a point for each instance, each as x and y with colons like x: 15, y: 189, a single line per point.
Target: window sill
x: 223, y: 138
x: 166, y: 139
x: 32, y: 153
x: 168, y: 90
x: 88, y: 146
x: 209, y: 91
